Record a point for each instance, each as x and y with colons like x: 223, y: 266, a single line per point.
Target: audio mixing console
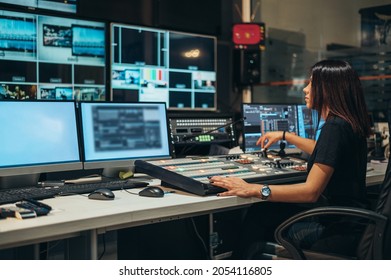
x: 191, y: 174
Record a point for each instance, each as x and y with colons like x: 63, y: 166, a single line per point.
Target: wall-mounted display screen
x: 88, y: 41
x: 57, y: 36
x: 67, y: 6
x: 41, y: 56
x: 18, y: 34
x: 158, y: 65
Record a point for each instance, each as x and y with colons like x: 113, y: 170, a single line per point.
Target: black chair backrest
x: 366, y: 248
x: 384, y: 208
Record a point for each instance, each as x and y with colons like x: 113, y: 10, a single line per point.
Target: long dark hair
x: 335, y: 86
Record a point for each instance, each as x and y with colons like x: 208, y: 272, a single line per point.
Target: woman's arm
x: 304, y: 144
x: 307, y: 192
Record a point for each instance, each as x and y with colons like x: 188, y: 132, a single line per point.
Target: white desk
x: 375, y: 173
x: 73, y: 215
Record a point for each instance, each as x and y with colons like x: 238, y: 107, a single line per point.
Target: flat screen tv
x: 157, y: 65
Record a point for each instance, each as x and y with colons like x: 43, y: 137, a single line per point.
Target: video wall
x: 68, y: 6
x: 163, y: 66
x: 66, y: 58
x: 51, y: 57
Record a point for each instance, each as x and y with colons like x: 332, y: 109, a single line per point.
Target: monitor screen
x: 88, y: 41
x: 38, y: 137
x: 115, y: 134
x: 57, y: 36
x: 262, y: 118
x: 68, y: 6
x: 191, y: 52
x: 38, y: 52
x: 307, y: 122
x: 18, y: 34
x: 156, y: 65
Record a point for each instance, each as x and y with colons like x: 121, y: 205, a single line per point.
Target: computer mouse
x: 152, y: 191
x: 102, y: 194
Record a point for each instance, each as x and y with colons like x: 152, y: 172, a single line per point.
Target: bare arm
x: 304, y: 144
x: 309, y: 191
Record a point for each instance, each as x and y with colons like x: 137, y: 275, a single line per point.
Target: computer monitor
x: 307, y: 122
x: 115, y: 134
x: 38, y: 137
x: 262, y: 118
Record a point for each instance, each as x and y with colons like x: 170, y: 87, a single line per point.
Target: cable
x: 200, y: 239
x: 48, y: 248
x: 129, y: 192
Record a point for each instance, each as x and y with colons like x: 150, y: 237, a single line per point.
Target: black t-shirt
x: 339, y: 147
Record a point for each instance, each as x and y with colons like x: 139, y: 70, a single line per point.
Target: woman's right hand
x: 269, y: 138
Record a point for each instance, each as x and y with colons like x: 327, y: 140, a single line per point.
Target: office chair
x: 374, y: 242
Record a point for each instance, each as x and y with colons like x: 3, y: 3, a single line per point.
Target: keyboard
x: 34, y: 192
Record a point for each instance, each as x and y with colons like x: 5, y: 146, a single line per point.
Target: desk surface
x: 74, y: 214
x: 375, y: 173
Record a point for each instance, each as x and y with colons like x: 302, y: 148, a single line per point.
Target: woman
x: 338, y: 159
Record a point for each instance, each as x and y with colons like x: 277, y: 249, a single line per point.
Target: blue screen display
x: 38, y: 133
x: 88, y: 41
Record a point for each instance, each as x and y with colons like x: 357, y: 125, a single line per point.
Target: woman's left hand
x: 235, y: 186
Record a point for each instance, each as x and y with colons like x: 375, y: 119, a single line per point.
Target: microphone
x: 185, y: 138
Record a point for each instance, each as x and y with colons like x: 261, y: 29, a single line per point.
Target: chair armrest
x: 296, y: 252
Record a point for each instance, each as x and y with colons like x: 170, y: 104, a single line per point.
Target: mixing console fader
x: 191, y: 174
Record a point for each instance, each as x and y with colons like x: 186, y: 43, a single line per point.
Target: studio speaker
x: 247, y: 67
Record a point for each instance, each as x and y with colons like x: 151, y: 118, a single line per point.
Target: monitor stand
x: 17, y: 181
x: 116, y: 172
